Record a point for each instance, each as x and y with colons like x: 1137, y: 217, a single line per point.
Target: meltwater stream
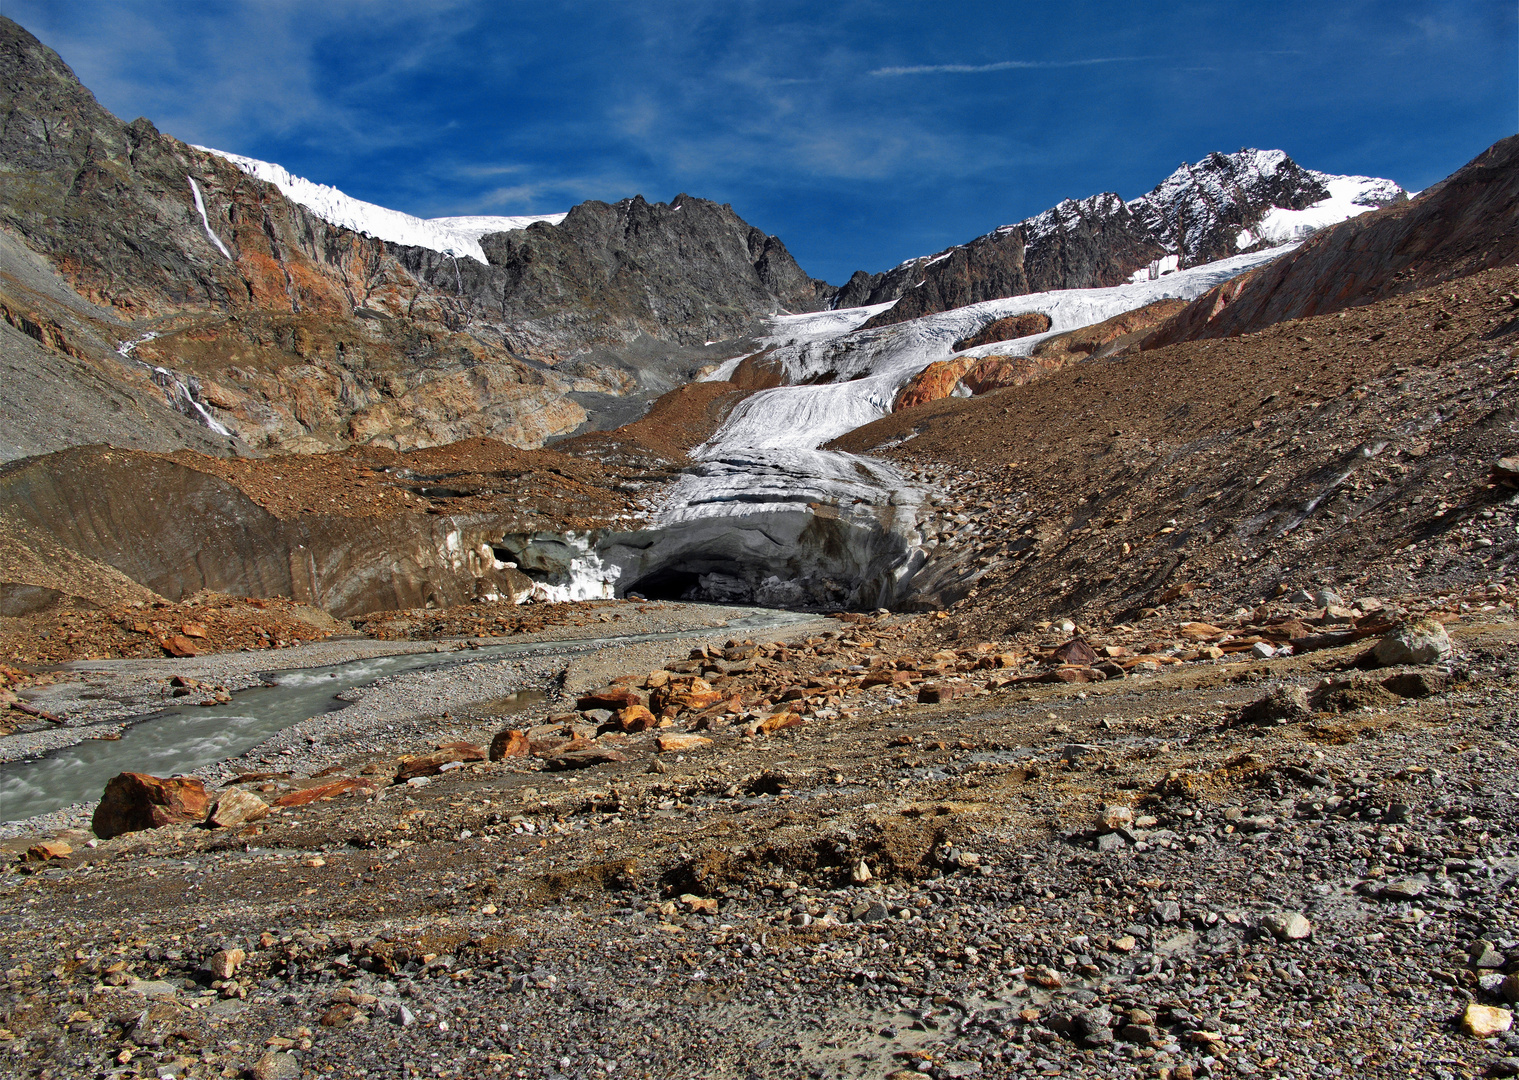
x: 181, y: 739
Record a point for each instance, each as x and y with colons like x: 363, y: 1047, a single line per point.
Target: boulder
x: 509, y: 743
x: 1282, y: 705
x: 47, y: 851
x: 1076, y: 651
x: 636, y: 718
x: 432, y: 764
x: 135, y: 801
x: 344, y: 786
x: 236, y: 807
x: 611, y: 698
x: 1417, y: 641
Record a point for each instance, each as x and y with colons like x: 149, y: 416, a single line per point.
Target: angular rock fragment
x: 1288, y: 925
x: 636, y: 718
x: 236, y: 807
x: 432, y: 764
x: 611, y: 698
x: 1485, y: 1021
x: 584, y: 759
x: 304, y: 796
x: 509, y: 743
x: 679, y: 743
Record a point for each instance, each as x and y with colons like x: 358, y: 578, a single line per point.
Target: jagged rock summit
x: 1225, y: 204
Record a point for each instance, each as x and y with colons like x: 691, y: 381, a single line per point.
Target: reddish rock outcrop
x: 136, y: 801
x: 1008, y: 329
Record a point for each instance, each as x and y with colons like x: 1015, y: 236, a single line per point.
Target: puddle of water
x: 183, y: 738
x: 511, y: 704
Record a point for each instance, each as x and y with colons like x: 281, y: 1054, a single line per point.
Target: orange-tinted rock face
x: 996, y: 372
x: 937, y: 380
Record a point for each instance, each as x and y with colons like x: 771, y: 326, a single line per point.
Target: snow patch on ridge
x: 457, y: 236
x: 1349, y: 196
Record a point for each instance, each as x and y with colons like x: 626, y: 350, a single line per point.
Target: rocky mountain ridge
x: 1200, y: 213
x: 1464, y: 225
x: 294, y: 334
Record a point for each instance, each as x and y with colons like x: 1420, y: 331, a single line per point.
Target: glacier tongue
x: 766, y: 516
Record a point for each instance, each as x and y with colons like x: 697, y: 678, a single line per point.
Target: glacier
x: 455, y: 236
x: 765, y: 515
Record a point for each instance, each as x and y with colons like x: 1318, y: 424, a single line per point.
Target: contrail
x: 1004, y: 65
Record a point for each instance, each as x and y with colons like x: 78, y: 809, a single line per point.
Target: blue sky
x: 860, y: 133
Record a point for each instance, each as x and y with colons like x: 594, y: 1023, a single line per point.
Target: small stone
x: 1485, y: 1021
x: 1483, y: 955
x: 1116, y: 816
x: 1288, y: 925
x: 1417, y: 641
x: 1108, y: 843
x: 1262, y: 651
x: 1126, y: 943
x: 224, y: 964
x: 340, y: 1015
x: 861, y: 873
x: 1504, y: 1066
x: 1167, y: 911
x: 1404, y: 889
x: 1510, y: 988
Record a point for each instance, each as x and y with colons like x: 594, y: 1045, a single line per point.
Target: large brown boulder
x: 136, y: 801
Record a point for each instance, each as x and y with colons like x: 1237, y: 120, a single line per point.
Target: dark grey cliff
x: 688, y: 271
